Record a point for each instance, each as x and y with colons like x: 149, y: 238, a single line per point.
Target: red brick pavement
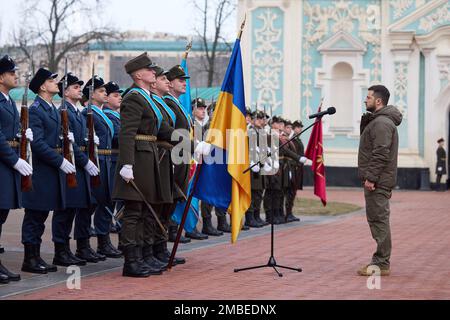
x: 329, y: 253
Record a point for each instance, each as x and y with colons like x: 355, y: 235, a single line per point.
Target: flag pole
x: 194, y: 186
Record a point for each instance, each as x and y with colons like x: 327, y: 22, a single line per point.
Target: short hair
x: 380, y: 92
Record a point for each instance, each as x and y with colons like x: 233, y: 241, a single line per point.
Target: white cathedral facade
x: 296, y: 52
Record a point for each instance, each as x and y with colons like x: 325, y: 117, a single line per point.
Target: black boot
x: 85, y: 252
x: 250, y: 221
x: 30, y: 261
x: 209, y: 229
x: 173, y: 235
x: 11, y: 276
x: 291, y: 218
x: 62, y: 258
x: 2, y: 250
x: 162, y: 254
x: 132, y: 266
x: 222, y: 224
x: 106, y: 248
x: 76, y: 261
x: 257, y: 216
x: 150, y: 260
x: 4, y: 278
x: 48, y: 267
x: 195, y: 234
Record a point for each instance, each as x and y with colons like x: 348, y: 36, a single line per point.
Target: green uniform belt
x: 143, y: 137
x: 107, y: 152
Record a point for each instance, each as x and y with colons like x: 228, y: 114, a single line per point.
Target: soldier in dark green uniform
x: 441, y: 165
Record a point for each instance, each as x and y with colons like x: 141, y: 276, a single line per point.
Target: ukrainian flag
x: 224, y: 185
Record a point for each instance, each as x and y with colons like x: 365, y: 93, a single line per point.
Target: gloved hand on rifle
x: 29, y: 134
x: 91, y: 169
x: 23, y: 167
x: 67, y: 167
x: 71, y: 137
x: 96, y: 140
x: 127, y: 173
x: 256, y: 168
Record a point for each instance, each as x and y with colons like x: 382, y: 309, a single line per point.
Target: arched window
x: 342, y: 97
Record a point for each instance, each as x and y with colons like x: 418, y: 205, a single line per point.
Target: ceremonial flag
x: 185, y: 99
x: 314, y: 151
x: 223, y: 184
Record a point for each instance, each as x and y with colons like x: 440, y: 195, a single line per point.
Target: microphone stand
x: 272, y: 263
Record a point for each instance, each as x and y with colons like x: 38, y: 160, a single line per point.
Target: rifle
x: 71, y: 178
x: 25, y: 150
x: 92, y: 148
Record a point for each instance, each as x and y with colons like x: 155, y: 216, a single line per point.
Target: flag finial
x: 242, y: 27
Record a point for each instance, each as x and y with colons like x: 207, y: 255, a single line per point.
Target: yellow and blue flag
x: 223, y: 183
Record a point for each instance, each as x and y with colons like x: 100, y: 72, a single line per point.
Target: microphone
x: 330, y: 110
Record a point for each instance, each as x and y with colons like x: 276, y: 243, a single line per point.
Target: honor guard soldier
x: 78, y: 198
x: 12, y: 167
x: 50, y: 169
x: 441, y: 165
x: 104, y: 207
x: 112, y: 111
x: 167, y: 188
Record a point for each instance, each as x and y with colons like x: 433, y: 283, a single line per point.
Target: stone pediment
x: 342, y: 42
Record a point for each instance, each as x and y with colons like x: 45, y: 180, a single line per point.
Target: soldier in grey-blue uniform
x: 11, y: 166
x: 50, y: 169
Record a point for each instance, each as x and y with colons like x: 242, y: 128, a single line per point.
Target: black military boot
x: 4, y: 278
x: 222, y: 224
x: 106, y: 248
x: 76, y: 261
x: 11, y: 276
x: 291, y: 218
x: 30, y: 261
x: 162, y: 254
x: 195, y: 234
x: 62, y: 258
x: 209, y: 229
x: 250, y: 221
x: 132, y: 267
x: 85, y: 252
x: 49, y: 267
x: 257, y: 216
x: 2, y: 250
x: 278, y: 217
x: 155, y: 266
x: 173, y: 235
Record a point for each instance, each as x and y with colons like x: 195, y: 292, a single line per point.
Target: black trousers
x: 138, y: 225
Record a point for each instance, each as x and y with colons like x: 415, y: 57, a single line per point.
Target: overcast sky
x: 174, y: 16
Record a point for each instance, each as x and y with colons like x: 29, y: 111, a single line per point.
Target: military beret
x: 198, y: 103
x: 7, y: 64
x: 98, y: 83
x: 39, y: 78
x: 160, y: 71
x: 112, y: 87
x: 71, y: 79
x: 139, y: 62
x: 440, y: 140
x: 177, y: 72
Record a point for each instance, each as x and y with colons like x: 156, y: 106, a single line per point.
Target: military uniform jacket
x: 79, y: 197
x: 137, y: 117
x: 10, y: 194
x: 256, y: 179
x: 288, y: 162
x: 114, y: 116
x: 181, y: 171
x: 441, y: 161
x: 102, y: 194
x: 298, y: 175
x: 49, y: 181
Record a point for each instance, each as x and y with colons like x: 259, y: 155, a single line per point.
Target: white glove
x: 256, y: 168
x: 308, y: 162
x: 127, y: 172
x: 29, y: 134
x: 276, y: 164
x: 67, y: 167
x: 23, y: 167
x: 303, y: 160
x: 439, y: 169
x: 203, y: 148
x: 71, y: 137
x: 268, y: 165
x: 96, y: 140
x: 91, y: 168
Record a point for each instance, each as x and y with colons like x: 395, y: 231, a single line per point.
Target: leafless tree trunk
x: 55, y: 38
x: 223, y: 10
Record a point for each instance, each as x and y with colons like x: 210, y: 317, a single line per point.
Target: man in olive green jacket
x: 377, y: 169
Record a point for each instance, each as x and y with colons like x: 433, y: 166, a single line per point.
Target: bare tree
x: 211, y: 40
x: 50, y: 32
